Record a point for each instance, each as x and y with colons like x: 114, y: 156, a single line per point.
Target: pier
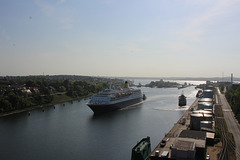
x: 194, y: 131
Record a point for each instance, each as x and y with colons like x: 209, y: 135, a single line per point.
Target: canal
x: 72, y: 132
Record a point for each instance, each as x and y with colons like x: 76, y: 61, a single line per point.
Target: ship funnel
x: 126, y: 84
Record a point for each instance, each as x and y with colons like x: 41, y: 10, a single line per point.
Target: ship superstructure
x: 113, y: 99
x: 182, y: 100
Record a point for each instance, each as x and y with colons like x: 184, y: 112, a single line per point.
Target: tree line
x: 161, y: 84
x: 25, y: 92
x: 233, y: 97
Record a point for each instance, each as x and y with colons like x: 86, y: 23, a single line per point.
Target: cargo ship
x: 115, y: 99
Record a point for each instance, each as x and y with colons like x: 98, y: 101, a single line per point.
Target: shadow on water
x: 15, y: 118
x: 108, y: 115
x: 113, y: 114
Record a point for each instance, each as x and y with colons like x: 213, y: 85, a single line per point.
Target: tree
x: 66, y: 84
x: 30, y: 83
x: 5, y: 105
x: 233, y: 98
x: 62, y: 89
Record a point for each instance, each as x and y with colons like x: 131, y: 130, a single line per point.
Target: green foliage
x: 15, y: 93
x: 30, y: 83
x: 82, y: 88
x: 162, y: 84
x: 217, y: 134
x: 61, y: 89
x: 221, y: 87
x: 233, y: 98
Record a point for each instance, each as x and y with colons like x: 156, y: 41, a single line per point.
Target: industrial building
x: 208, y: 93
x: 188, y: 138
x: 183, y: 149
x: 205, y: 105
x: 195, y: 120
x: 199, y: 137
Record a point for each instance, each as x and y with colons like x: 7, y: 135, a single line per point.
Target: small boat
x: 144, y: 97
x: 139, y: 85
x: 199, y: 94
x: 142, y: 149
x: 182, y: 100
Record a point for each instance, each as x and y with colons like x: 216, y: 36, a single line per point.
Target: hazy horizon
x: 116, y: 38
x: 132, y: 77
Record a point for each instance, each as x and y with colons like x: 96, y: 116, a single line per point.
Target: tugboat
x: 182, y: 100
x: 114, y: 99
x: 141, y: 150
x: 199, y: 94
x: 144, y: 97
x: 139, y: 85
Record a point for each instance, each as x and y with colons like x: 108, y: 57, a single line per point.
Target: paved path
x: 232, y: 124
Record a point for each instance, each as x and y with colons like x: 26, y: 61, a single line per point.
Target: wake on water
x: 172, y: 109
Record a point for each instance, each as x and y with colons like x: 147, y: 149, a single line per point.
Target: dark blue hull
x: 99, y: 109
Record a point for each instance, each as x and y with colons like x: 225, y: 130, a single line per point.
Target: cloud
x: 199, y: 24
x: 66, y: 23
x: 197, y: 27
x: 4, y: 34
x: 45, y: 7
x: 55, y: 12
x: 62, y: 1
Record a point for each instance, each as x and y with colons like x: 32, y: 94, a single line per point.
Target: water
x: 72, y: 132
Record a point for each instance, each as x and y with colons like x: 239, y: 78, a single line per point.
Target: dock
x: 194, y: 131
x: 182, y: 124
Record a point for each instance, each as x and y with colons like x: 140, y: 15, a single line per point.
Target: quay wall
x: 182, y: 124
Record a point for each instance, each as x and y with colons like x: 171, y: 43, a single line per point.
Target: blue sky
x: 141, y: 38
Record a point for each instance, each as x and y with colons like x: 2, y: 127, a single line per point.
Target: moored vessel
x: 142, y: 149
x: 114, y: 99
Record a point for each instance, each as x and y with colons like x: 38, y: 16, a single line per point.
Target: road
x: 232, y: 124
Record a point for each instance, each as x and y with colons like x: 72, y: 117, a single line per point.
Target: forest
x: 161, y: 84
x: 233, y: 97
x: 24, y: 92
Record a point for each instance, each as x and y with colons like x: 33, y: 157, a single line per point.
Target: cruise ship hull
x: 103, y: 108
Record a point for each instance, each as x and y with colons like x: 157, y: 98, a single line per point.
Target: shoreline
x: 40, y: 106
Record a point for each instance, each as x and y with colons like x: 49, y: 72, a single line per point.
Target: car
x: 207, y: 157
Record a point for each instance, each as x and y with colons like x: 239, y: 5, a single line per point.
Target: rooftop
x: 193, y: 134
x: 183, y: 145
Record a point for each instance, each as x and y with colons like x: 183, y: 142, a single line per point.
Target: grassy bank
x: 57, y: 98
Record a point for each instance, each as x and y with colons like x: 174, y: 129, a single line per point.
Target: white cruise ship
x: 114, y: 99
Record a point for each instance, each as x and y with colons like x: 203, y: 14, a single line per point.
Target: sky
x: 136, y: 38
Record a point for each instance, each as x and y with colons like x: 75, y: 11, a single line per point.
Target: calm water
x: 72, y: 132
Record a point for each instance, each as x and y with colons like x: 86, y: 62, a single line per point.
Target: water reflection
x: 115, y: 114
x: 74, y: 132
